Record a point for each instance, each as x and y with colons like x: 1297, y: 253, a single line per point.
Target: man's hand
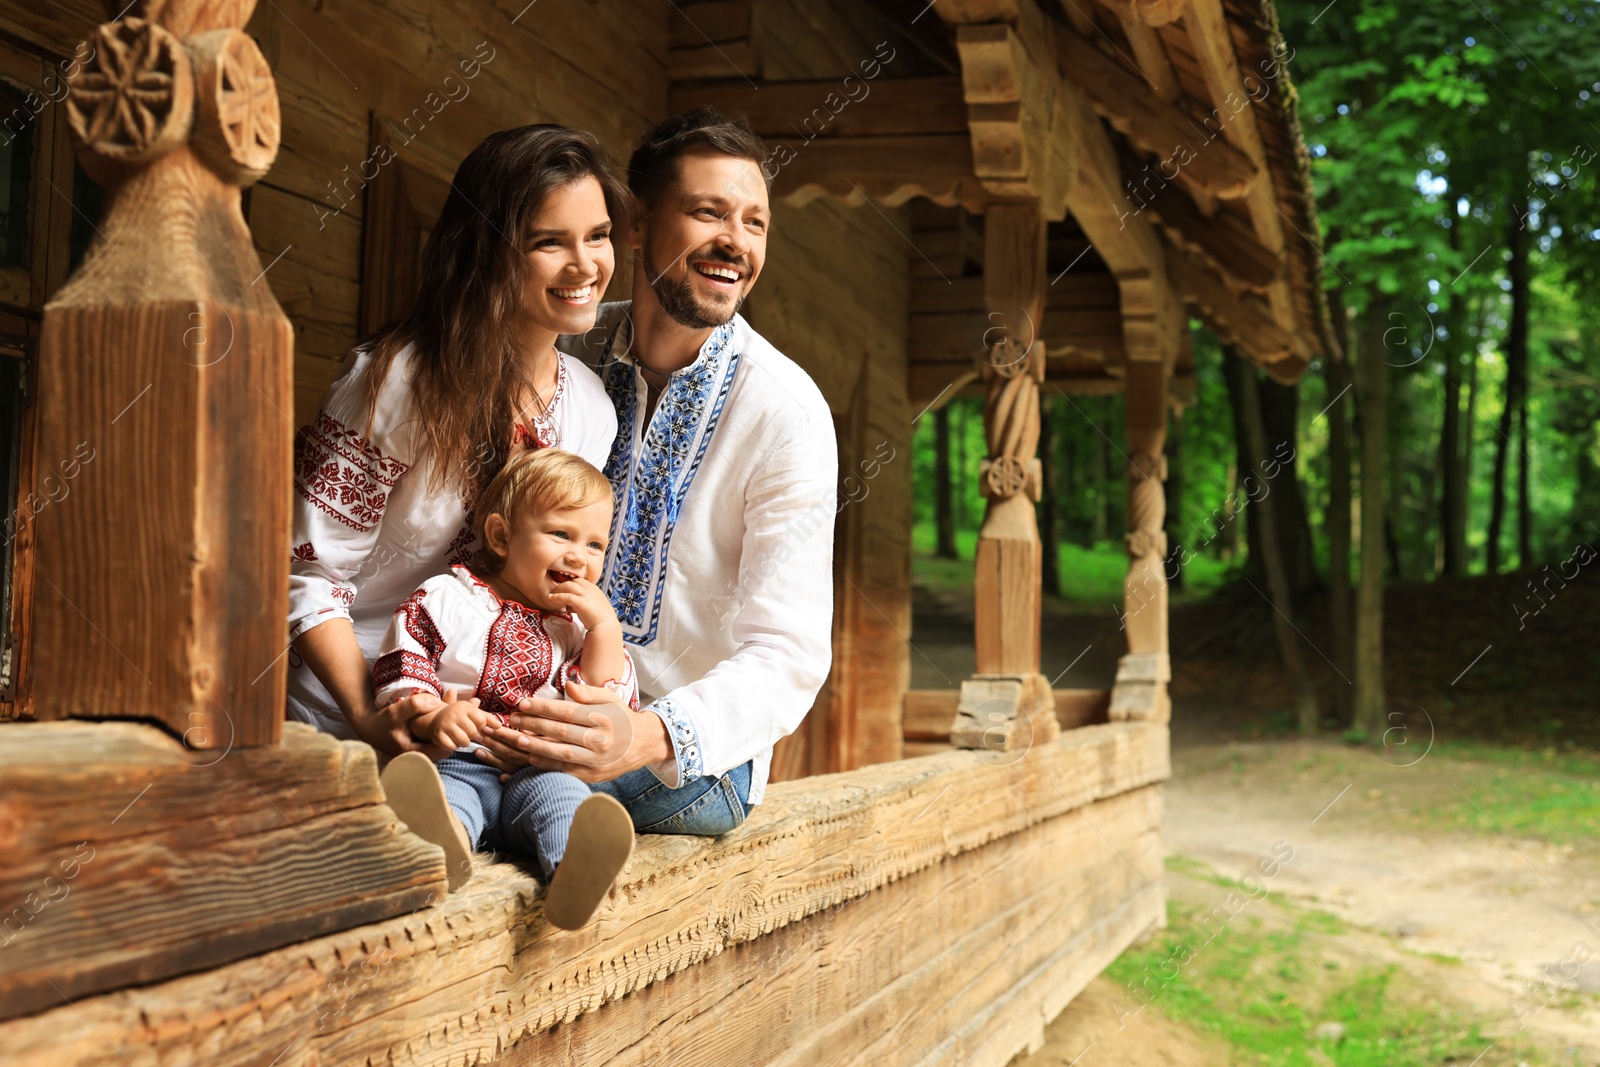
x: 592, y: 735
x: 585, y: 600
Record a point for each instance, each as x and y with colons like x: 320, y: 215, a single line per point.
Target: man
x: 724, y: 472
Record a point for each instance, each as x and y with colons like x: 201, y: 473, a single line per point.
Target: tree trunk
x: 1340, y: 385
x: 1524, y: 505
x: 944, y: 523
x: 1516, y: 369
x: 1244, y: 511
x: 1280, y: 413
x: 1049, y: 524
x: 1267, y: 529
x: 1174, y: 500
x: 1374, y: 370
x: 1452, y: 502
x: 1397, y: 532
x: 1230, y: 532
x: 1468, y: 433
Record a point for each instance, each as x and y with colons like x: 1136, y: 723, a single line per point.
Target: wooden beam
x: 1237, y: 319
x: 175, y: 860
x: 1184, y: 152
x: 1125, y: 239
x: 1149, y: 12
x: 928, y: 711
x: 483, y: 972
x: 1228, y: 243
x: 795, y: 112
x: 1234, y: 107
x: 888, y: 170
x: 1151, y: 55
x: 1020, y: 146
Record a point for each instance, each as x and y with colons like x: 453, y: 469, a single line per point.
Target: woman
x: 427, y: 411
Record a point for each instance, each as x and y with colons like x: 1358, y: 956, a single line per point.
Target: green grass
x: 1267, y: 981
x: 1544, y: 794
x: 1090, y: 576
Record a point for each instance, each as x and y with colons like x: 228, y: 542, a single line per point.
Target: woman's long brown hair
x: 464, y: 320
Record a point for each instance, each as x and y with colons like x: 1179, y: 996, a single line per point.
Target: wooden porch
x: 247, y: 896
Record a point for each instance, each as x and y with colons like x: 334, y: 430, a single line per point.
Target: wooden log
x: 166, y: 584
x: 1229, y: 245
x: 790, y: 111
x: 710, y: 59
x: 483, y: 971
x: 1187, y: 152
x: 1021, y: 145
x: 1233, y: 107
x: 132, y: 858
x: 1237, y: 318
x: 918, y: 972
x: 928, y: 712
x: 888, y: 170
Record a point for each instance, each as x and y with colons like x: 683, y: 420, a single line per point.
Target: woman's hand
x: 388, y: 730
x: 592, y: 736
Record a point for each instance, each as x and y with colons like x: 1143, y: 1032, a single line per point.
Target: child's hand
x: 585, y: 600
x: 457, y: 725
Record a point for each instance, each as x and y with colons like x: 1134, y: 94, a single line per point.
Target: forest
x: 1456, y: 446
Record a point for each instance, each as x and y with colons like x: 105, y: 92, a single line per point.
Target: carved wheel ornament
x: 1146, y: 543
x: 134, y: 101
x: 1006, y: 476
x: 239, y: 124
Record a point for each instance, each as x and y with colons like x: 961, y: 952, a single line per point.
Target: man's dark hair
x: 654, y: 163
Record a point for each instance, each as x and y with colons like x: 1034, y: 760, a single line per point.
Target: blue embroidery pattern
x: 685, y: 740
x: 649, y: 488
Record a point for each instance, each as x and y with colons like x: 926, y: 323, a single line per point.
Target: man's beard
x: 677, y: 299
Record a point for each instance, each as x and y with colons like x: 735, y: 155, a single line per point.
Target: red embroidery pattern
x: 343, y: 474
x: 420, y: 625
x: 344, y: 595
x: 304, y: 552
x: 543, y: 431
x: 519, y: 661
x: 400, y: 664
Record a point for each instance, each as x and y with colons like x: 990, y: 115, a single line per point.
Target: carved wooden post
x: 163, y: 572
x: 1140, y: 691
x: 163, y: 577
x: 1008, y: 704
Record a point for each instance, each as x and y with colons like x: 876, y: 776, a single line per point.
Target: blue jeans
x: 705, y: 807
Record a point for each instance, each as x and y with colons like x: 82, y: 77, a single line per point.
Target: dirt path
x: 1516, y: 911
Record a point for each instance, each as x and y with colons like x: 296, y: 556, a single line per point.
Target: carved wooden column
x: 1140, y: 691
x: 165, y: 374
x: 1008, y: 704
x: 163, y: 577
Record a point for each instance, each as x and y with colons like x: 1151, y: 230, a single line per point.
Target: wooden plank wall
x: 835, y: 296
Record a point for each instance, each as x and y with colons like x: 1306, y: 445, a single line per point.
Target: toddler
x: 521, y: 624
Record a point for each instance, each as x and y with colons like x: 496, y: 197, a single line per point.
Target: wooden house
x: 986, y: 196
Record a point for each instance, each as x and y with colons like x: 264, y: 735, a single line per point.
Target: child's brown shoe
x: 416, y: 793
x: 598, y: 847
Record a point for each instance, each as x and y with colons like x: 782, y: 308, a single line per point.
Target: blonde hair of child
x: 544, y: 480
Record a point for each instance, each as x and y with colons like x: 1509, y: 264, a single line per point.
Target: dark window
x: 16, y: 166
